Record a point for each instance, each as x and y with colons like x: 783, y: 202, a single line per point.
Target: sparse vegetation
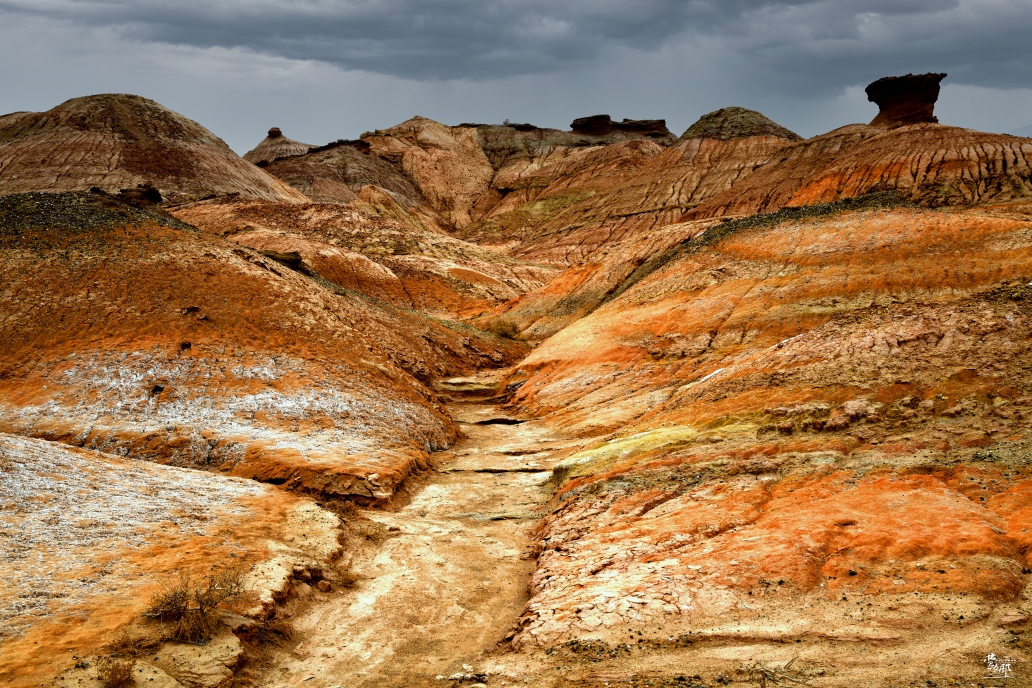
x: 763, y: 673
x: 503, y: 328
x: 127, y: 644
x: 190, y: 609
x: 347, y: 578
x: 275, y: 631
x: 346, y: 510
x: 116, y: 673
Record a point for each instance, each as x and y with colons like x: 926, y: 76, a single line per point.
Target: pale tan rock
x: 201, y: 666
x: 447, y: 164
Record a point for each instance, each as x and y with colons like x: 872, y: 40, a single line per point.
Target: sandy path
x: 448, y: 584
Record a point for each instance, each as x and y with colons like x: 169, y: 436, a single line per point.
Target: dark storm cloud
x: 806, y: 47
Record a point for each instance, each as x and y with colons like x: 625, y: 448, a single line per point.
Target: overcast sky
x: 328, y: 69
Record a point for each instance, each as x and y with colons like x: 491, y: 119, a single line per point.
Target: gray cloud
x: 807, y: 47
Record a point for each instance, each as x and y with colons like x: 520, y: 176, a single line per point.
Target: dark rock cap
x: 737, y: 123
x: 906, y: 99
x: 603, y: 125
x: 275, y: 133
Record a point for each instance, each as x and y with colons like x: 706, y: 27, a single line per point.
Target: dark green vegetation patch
x: 76, y: 211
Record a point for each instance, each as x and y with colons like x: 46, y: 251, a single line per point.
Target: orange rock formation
x: 791, y: 376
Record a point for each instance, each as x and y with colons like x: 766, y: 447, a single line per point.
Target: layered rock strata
x: 337, y: 172
x: 132, y: 333
x: 930, y: 164
x: 563, y: 205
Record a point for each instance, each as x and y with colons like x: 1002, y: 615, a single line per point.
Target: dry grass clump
x: 275, y: 631
x: 116, y: 673
x: 190, y: 609
x: 127, y: 644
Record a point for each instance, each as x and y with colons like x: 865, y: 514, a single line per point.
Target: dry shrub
x: 116, y: 673
x: 190, y: 609
x: 128, y: 644
x: 503, y: 328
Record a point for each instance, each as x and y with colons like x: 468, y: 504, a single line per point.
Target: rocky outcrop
x: 506, y: 144
x: 737, y: 123
x: 115, y: 142
x: 906, y: 99
x: 603, y: 125
x: 275, y: 146
x: 447, y: 164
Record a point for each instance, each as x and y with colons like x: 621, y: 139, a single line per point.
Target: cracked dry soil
x: 447, y: 584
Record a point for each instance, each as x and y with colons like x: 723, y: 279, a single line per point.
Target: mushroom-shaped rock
x: 274, y: 146
x: 737, y: 123
x: 906, y: 99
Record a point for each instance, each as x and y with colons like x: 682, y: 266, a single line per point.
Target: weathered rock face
x: 120, y: 141
x: 274, y: 146
x: 446, y: 164
x: 336, y: 173
x: 196, y: 351
x: 508, y: 144
x: 906, y: 99
x: 564, y: 204
x: 800, y: 408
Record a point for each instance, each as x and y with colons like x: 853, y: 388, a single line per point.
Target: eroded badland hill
x: 499, y: 404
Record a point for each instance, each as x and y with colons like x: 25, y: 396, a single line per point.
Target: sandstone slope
x: 635, y: 216
x: 376, y: 247
x: 820, y: 432
x: 132, y: 333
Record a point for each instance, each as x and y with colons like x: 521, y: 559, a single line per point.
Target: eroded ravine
x: 445, y: 586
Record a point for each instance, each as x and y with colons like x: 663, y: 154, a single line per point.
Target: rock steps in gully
x: 774, y: 427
